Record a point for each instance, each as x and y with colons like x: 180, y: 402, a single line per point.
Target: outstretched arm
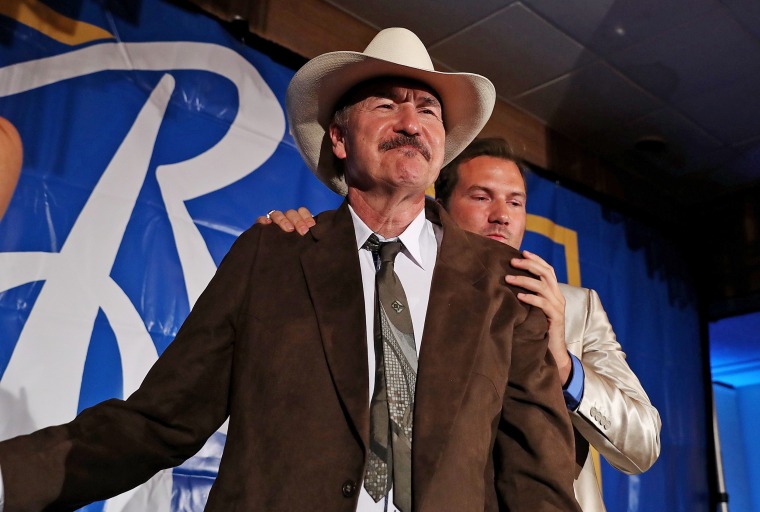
x: 116, y: 445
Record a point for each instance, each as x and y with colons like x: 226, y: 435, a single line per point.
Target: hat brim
x: 468, y: 100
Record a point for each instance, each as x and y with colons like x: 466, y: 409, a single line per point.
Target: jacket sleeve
x: 615, y: 415
x: 534, y: 456
x: 118, y: 444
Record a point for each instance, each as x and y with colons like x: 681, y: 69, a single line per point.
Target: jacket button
x: 349, y: 488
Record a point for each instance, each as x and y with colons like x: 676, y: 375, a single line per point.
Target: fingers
x: 542, y: 297
x: 281, y: 220
x: 292, y: 220
x: 306, y: 215
x: 529, y: 283
x: 548, y: 295
x: 301, y: 219
x: 553, y: 306
x: 535, y: 265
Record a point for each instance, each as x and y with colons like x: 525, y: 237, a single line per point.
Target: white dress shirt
x: 414, y: 267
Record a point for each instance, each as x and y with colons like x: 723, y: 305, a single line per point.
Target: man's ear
x: 337, y: 137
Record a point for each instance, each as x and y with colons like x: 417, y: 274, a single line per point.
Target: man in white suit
x: 484, y: 191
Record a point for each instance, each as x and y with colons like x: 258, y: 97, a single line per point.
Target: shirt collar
x: 412, y: 237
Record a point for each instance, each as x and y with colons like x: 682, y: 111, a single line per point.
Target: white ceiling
x: 608, y: 73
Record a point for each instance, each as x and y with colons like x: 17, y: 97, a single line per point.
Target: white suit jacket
x: 615, y: 415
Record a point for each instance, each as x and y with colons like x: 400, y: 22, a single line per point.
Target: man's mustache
x: 405, y: 140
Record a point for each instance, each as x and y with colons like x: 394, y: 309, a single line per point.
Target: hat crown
x: 394, y: 52
x: 400, y: 46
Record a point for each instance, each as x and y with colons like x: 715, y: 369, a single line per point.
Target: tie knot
x: 372, y: 244
x: 385, y: 251
x: 389, y: 250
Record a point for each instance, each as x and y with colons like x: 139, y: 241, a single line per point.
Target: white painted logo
x: 41, y: 385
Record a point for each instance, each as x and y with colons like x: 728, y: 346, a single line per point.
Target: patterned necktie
x: 392, y: 405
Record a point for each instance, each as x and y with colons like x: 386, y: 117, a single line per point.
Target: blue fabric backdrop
x: 152, y: 139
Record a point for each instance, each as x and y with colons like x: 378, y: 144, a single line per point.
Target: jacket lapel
x: 449, y: 345
x: 332, y: 273
x: 452, y: 329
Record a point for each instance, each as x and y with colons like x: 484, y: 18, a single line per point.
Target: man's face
x: 489, y: 199
x: 392, y: 137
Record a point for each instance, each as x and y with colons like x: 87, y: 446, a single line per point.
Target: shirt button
x: 349, y: 488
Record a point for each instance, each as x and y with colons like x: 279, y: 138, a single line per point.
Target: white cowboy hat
x: 468, y: 99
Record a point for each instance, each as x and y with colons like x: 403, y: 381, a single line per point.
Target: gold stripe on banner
x: 42, y: 18
x: 563, y: 236
x: 569, y: 240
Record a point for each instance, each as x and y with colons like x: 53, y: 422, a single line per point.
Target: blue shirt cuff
x: 573, y: 390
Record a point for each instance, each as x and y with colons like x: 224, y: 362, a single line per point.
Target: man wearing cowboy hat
x: 484, y: 191
x: 283, y: 339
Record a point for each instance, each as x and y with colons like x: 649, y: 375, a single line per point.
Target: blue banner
x: 650, y: 300
x: 152, y: 139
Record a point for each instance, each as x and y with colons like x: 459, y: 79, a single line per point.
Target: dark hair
x: 487, y: 146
